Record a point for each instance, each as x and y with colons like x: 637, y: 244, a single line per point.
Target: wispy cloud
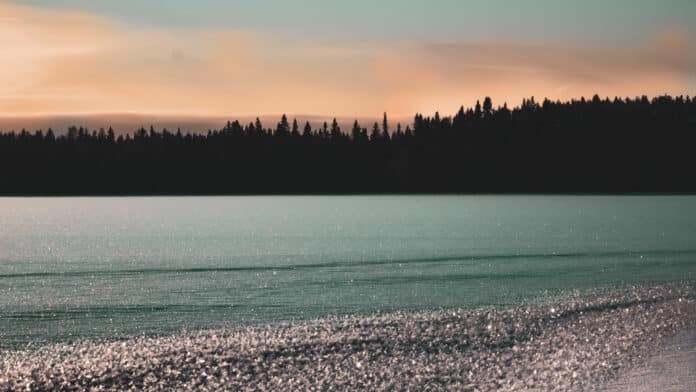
x: 448, y: 73
x: 71, y: 62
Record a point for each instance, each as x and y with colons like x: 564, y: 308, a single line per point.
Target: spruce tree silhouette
x: 487, y: 107
x: 595, y: 145
x: 355, y: 132
x: 258, y: 127
x: 283, y: 128
x: 407, y: 132
x: 295, y: 128
x: 325, y: 131
x: 335, y: 131
x: 376, y: 135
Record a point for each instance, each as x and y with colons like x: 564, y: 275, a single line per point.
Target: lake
x: 74, y: 268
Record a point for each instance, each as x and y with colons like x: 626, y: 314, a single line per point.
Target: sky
x: 352, y: 58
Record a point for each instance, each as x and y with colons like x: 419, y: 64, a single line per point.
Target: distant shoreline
x: 126, y: 195
x: 638, y: 145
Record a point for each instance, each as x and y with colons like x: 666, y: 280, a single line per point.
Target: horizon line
x: 175, y: 114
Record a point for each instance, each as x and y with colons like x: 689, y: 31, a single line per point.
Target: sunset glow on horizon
x: 73, y: 57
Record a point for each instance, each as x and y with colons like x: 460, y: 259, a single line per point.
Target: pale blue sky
x: 587, y: 20
x: 350, y: 57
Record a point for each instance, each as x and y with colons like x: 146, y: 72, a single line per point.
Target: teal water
x: 73, y: 268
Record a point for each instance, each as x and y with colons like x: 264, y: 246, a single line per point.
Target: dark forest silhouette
x: 597, y: 145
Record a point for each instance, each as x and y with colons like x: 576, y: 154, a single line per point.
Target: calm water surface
x: 74, y: 268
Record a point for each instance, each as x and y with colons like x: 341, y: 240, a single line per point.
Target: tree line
x: 595, y: 145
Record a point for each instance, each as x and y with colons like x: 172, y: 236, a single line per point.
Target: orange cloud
x: 61, y: 62
x: 445, y: 75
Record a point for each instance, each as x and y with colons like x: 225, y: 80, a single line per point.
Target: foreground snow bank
x: 579, y: 341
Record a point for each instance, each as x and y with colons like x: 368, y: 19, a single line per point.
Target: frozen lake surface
x: 111, y: 267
